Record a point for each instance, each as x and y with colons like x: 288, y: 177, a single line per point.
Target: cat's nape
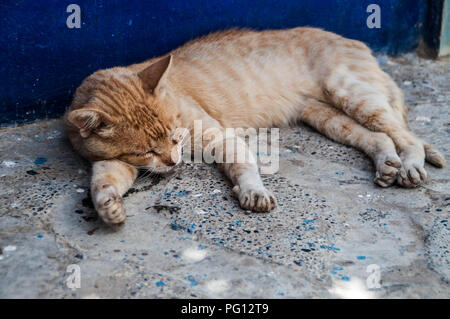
x: 124, y: 118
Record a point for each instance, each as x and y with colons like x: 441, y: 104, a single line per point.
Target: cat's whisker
x: 148, y: 173
x: 142, y: 176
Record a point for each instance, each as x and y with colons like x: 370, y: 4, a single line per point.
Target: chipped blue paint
x: 191, y: 228
x: 160, y: 284
x: 330, y: 247
x: 219, y: 241
x: 192, y: 281
x: 361, y: 257
x: 237, y: 223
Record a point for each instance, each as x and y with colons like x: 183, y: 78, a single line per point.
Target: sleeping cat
x: 125, y: 118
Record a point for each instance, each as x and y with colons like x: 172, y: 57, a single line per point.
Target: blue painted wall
x: 42, y: 61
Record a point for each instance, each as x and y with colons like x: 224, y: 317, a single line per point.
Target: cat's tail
x: 433, y: 156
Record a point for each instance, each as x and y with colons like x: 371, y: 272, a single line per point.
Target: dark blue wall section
x: 42, y: 61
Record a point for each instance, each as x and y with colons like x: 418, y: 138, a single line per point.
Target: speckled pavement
x: 334, y: 234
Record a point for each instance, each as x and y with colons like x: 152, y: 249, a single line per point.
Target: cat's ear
x: 87, y: 119
x: 153, y: 77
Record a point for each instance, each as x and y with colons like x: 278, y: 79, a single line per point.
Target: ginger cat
x: 124, y: 118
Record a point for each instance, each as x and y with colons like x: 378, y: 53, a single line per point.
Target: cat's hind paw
x: 387, y: 165
x: 411, y: 175
x: 255, y: 199
x: 109, y: 206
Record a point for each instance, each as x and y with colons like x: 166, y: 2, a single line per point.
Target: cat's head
x: 121, y: 114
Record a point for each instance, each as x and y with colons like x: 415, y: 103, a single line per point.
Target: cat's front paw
x: 257, y: 199
x: 108, y: 204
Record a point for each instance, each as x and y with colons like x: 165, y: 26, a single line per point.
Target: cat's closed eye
x: 147, y: 154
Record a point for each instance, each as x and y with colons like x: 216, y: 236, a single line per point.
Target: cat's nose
x: 172, y: 160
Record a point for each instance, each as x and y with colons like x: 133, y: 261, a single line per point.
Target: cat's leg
x: 110, y: 180
x: 248, y: 187
x: 240, y: 166
x: 339, y: 127
x: 432, y: 155
x: 365, y: 102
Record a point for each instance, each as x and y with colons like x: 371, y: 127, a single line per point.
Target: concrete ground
x: 186, y: 237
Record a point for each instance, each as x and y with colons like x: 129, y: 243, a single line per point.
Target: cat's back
x: 242, y: 74
x: 240, y: 77
x: 244, y: 42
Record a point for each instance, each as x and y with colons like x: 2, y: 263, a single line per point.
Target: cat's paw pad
x: 255, y: 199
x: 387, y: 170
x: 412, y: 174
x: 109, y: 206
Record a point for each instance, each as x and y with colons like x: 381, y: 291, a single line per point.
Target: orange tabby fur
x: 124, y: 118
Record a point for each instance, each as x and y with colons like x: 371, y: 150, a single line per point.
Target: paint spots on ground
x: 330, y: 247
x: 192, y: 281
x: 361, y: 257
x: 182, y: 193
x: 160, y: 284
x: 336, y: 269
x: 40, y: 236
x: 161, y: 208
x: 40, y: 160
x: 175, y: 225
